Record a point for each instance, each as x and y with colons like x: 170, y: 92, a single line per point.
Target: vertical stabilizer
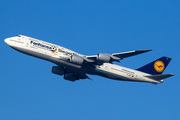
x: 156, y: 67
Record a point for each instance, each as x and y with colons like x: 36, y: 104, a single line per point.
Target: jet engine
x: 103, y: 57
x: 70, y: 77
x: 58, y: 70
x: 77, y: 59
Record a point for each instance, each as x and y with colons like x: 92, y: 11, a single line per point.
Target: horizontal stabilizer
x: 159, y: 77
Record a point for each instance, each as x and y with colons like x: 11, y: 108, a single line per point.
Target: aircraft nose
x: 6, y: 41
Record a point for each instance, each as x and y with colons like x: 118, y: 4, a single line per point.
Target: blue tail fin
x: 156, y: 67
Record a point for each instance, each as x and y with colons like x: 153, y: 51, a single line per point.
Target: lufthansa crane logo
x: 54, y: 49
x: 159, y: 66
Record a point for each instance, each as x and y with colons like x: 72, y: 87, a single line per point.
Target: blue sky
x: 28, y: 89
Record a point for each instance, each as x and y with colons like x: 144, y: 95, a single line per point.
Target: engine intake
x: 77, y: 59
x: 58, y: 70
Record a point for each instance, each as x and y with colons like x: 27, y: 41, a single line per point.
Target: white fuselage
x: 60, y: 56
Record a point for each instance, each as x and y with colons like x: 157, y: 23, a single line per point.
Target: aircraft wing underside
x: 82, y: 76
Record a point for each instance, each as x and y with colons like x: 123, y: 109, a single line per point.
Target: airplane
x: 74, y: 66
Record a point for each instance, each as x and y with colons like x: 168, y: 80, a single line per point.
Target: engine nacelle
x: 58, y: 70
x: 77, y: 59
x: 70, y: 77
x: 103, y: 57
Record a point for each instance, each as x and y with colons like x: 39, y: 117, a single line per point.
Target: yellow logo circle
x: 159, y: 66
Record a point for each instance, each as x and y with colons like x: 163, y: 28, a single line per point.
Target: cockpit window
x: 18, y: 36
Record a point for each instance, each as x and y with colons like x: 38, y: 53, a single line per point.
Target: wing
x: 119, y: 56
x: 129, y: 54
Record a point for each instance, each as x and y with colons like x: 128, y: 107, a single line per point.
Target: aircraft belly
x: 63, y: 63
x: 111, y: 75
x: 115, y: 76
x: 72, y: 66
x: 121, y: 73
x: 32, y: 53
